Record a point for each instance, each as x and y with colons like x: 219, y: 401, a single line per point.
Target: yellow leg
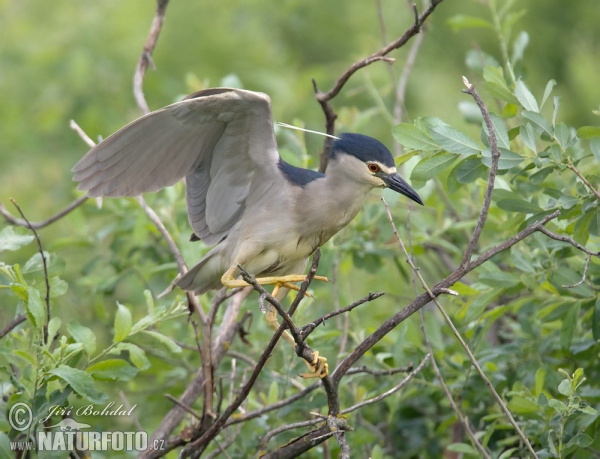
x: 230, y: 282
x: 319, y: 367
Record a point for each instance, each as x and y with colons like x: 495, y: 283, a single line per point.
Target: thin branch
x: 193, y: 300
x: 252, y: 362
x: 584, y: 180
x: 212, y: 432
x: 325, y: 97
x: 425, y: 298
x: 390, y: 372
x: 264, y: 440
x: 338, y: 425
x: 38, y: 225
x: 12, y: 324
x: 458, y: 335
x: 567, y: 239
x: 86, y: 138
x: 146, y: 57
x: 227, y: 332
x: 274, y: 406
x: 585, y: 268
x: 393, y: 390
x: 463, y: 419
x: 44, y: 264
x: 310, y: 327
x: 487, y: 198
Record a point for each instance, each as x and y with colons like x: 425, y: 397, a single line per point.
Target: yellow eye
x: 373, y: 167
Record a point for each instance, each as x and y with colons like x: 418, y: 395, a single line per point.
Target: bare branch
x: 391, y: 371
x: 425, y: 298
x: 338, y: 425
x: 45, y: 266
x: 325, y: 97
x: 193, y: 301
x: 264, y: 440
x: 86, y: 138
x: 184, y: 407
x: 38, y: 225
x: 225, y: 335
x: 585, y: 268
x: 458, y: 335
x: 252, y: 362
x: 463, y: 419
x: 274, y: 406
x: 146, y: 57
x: 310, y: 327
x: 487, y: 198
x: 584, y: 180
x: 393, y: 390
x: 567, y: 239
x: 12, y: 325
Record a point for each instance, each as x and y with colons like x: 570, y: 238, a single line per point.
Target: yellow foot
x: 318, y: 369
x: 228, y: 280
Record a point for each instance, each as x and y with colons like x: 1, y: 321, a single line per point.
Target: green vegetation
x: 530, y: 315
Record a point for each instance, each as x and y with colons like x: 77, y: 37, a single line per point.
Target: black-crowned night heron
x: 261, y: 212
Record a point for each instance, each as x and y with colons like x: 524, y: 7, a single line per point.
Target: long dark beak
x: 398, y: 184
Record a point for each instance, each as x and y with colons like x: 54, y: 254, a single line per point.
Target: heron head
x: 375, y: 163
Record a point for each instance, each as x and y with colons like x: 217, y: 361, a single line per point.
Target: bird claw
x: 318, y: 369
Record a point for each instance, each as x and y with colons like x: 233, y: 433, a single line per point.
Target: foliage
x: 518, y: 312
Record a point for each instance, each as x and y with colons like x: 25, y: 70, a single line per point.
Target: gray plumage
x: 260, y: 212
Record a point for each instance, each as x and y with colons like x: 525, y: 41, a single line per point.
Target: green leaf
x: 518, y: 205
x: 539, y: 122
x: 559, y: 406
x: 540, y: 175
x: 587, y: 132
x: 556, y: 101
x: 595, y: 147
x: 462, y: 21
x: 431, y: 167
x: 9, y: 240
x: 35, y: 307
x: 399, y: 160
x: 136, y: 354
x: 454, y: 141
x: 582, y: 440
x: 53, y: 327
x: 500, y: 131
x: 509, y: 111
x: 477, y: 60
x: 519, y: 46
x: 522, y: 405
x: 476, y: 306
x: 562, y: 134
x: 501, y: 279
x: 409, y: 136
x: 5, y: 446
x: 469, y: 170
x: 528, y: 136
x: 123, y: 323
x: 463, y: 448
x: 168, y: 342
x: 80, y: 381
x: 596, y: 320
x: 540, y: 377
x: 547, y: 92
x: 112, y: 370
x: 569, y: 326
x: 508, y: 159
x: 496, y: 84
x: 565, y: 387
x: 58, y: 287
x: 525, y: 97
x: 83, y: 335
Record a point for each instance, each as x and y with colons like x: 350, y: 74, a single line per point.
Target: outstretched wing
x: 220, y: 139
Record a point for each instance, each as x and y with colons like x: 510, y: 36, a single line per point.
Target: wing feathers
x: 220, y: 139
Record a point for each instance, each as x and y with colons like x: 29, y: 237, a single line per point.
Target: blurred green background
x: 64, y: 60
